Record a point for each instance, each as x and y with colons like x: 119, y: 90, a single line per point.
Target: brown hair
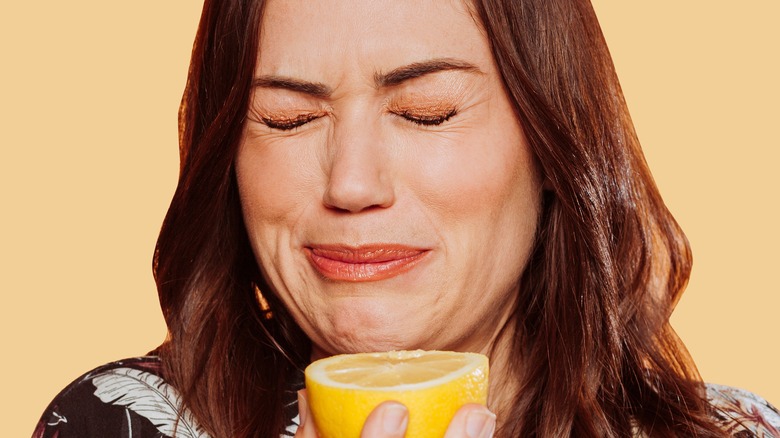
x: 595, y: 353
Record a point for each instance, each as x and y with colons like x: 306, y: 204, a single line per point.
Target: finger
x: 388, y: 420
x: 472, y: 421
x: 306, y: 427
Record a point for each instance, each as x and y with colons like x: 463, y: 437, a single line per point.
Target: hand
x: 389, y: 420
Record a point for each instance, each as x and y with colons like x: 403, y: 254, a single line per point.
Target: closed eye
x: 427, y: 119
x: 288, y: 123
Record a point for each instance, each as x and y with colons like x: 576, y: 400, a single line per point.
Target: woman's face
x: 387, y: 188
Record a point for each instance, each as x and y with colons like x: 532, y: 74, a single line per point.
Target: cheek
x: 274, y: 183
x: 478, y: 176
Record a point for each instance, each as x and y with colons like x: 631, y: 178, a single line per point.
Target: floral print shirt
x: 129, y: 399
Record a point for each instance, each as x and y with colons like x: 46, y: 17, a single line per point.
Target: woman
x: 472, y: 182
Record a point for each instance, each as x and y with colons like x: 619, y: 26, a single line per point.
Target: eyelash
x: 290, y: 124
x: 427, y: 120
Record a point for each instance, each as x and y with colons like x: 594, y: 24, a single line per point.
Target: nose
x: 358, y: 170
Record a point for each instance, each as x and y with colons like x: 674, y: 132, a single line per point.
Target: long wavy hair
x: 595, y: 353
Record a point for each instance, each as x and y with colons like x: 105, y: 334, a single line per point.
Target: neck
x: 504, y: 383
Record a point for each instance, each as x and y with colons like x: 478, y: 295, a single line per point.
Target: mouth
x: 363, y: 263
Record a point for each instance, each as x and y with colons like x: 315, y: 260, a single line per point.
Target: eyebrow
x: 394, y: 77
x: 417, y: 69
x: 315, y: 89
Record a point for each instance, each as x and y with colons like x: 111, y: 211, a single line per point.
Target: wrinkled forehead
x: 337, y: 40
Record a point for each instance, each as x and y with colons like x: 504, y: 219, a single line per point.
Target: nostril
x: 353, y: 210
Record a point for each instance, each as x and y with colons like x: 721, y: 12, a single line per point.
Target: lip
x: 363, y: 263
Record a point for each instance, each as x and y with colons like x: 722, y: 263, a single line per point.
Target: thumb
x: 388, y: 420
x: 472, y: 421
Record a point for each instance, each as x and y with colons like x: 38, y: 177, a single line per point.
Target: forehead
x: 332, y: 40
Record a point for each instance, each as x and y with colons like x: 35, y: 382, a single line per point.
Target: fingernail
x: 394, y: 419
x: 302, y: 409
x: 480, y: 424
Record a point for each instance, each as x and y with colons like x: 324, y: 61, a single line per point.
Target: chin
x: 363, y: 341
x: 371, y: 325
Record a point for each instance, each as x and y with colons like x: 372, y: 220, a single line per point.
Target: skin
x: 358, y: 156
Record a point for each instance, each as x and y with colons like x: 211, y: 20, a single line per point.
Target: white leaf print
x: 148, y: 396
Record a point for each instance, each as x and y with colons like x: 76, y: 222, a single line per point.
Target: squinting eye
x: 427, y: 119
x: 286, y: 124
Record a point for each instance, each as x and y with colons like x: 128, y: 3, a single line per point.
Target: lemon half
x: 344, y: 389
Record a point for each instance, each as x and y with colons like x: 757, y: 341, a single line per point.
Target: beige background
x: 88, y: 102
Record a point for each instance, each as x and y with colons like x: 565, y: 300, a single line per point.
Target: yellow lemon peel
x: 433, y: 385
